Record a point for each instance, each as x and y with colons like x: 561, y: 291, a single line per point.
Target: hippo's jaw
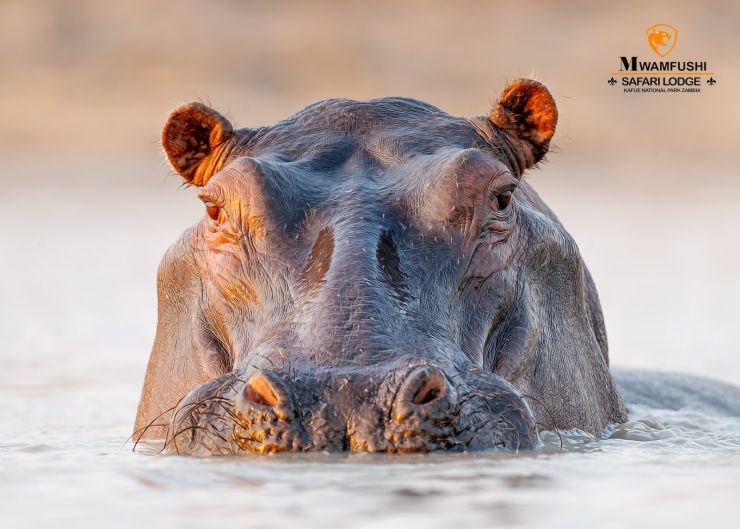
x: 426, y: 411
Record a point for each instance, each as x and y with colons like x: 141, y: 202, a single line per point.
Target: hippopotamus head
x: 372, y: 276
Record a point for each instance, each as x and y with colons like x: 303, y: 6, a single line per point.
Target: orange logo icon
x: 662, y: 38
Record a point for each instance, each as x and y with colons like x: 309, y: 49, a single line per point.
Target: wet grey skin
x: 373, y: 276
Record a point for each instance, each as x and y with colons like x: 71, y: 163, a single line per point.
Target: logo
x: 639, y: 76
x: 662, y: 38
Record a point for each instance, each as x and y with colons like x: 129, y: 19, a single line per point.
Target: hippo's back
x: 674, y: 391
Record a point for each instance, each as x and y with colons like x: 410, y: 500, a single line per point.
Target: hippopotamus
x: 373, y: 276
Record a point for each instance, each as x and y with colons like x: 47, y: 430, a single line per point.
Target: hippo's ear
x: 194, y: 138
x: 526, y: 112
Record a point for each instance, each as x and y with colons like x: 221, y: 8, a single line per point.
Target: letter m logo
x: 628, y: 64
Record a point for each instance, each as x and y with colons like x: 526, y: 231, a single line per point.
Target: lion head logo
x: 662, y: 38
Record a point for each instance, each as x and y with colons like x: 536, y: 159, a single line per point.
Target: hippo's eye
x: 213, y: 210
x: 501, y: 201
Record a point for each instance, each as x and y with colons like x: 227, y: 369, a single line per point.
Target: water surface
x: 70, y: 468
x: 77, y: 279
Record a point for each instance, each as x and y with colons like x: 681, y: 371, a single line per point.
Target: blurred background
x: 646, y: 183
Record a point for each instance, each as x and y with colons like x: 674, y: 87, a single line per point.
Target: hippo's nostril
x: 270, y: 390
x: 432, y: 386
x: 260, y: 391
x: 426, y: 391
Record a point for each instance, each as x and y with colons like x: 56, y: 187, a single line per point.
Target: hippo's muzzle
x: 419, y: 409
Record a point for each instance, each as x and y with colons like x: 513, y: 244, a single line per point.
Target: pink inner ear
x: 190, y: 135
x: 542, y: 113
x: 527, y: 107
x: 527, y: 114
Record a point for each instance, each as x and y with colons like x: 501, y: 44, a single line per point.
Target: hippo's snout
x: 424, y: 409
